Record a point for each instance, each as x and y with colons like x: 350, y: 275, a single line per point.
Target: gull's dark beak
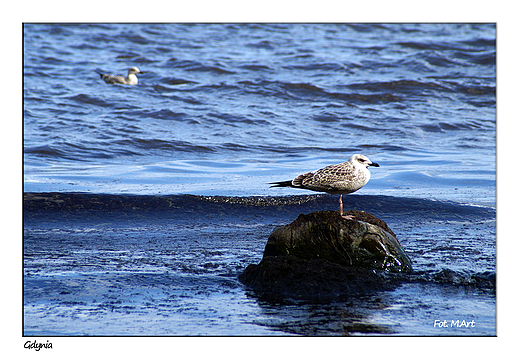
x: 374, y: 164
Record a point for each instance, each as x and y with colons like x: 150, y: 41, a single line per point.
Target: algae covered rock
x: 365, y: 242
x: 322, y: 255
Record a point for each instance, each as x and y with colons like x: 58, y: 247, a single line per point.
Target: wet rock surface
x: 365, y: 242
x: 322, y: 254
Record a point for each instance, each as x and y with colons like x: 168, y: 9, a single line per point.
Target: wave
x: 187, y: 204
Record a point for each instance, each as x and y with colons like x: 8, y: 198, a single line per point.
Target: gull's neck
x: 132, y: 79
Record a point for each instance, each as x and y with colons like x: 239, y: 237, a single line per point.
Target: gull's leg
x: 347, y: 217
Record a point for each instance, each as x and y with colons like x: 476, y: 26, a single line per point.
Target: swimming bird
x: 344, y: 178
x: 131, y: 79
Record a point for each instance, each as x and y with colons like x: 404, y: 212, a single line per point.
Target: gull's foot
x: 347, y: 217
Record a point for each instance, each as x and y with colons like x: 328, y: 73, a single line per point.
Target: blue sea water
x: 220, y: 111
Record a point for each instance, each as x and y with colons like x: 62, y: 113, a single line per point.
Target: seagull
x: 344, y: 178
x: 131, y: 79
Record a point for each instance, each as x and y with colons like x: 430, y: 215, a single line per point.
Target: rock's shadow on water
x: 320, y: 318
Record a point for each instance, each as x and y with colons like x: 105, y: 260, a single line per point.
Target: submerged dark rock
x: 289, y: 276
x: 322, y: 254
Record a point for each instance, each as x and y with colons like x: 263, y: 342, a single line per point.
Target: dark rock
x: 484, y: 280
x: 322, y: 255
x: 365, y: 242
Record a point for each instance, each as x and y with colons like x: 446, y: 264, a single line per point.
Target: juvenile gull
x: 344, y: 178
x: 131, y: 79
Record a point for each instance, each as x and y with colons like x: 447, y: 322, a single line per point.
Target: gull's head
x: 362, y: 160
x: 134, y: 70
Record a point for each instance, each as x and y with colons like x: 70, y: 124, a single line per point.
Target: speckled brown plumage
x: 344, y: 178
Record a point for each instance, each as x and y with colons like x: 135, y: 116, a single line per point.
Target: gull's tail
x: 282, y: 184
